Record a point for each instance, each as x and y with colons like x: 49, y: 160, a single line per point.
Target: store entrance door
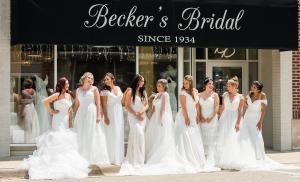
x: 220, y: 72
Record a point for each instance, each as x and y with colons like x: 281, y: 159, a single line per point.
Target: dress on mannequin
x: 41, y: 94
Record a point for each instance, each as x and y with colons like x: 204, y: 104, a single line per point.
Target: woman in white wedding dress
x: 209, y: 107
x: 161, y: 154
x: 136, y: 103
x: 111, y: 96
x: 234, y: 149
x: 253, y: 121
x: 57, y: 154
x: 188, y: 138
x: 90, y: 134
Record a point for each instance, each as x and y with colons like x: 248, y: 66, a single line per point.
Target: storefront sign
x: 168, y: 23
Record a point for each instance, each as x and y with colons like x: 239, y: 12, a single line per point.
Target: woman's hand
x: 237, y: 126
x: 209, y: 119
x: 259, y: 125
x: 187, y: 121
x: 98, y: 119
x: 106, y: 120
x: 54, y: 112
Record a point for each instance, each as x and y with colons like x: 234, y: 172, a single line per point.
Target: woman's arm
x: 216, y: 107
x: 77, y: 103
x: 240, y: 113
x: 263, y: 112
x: 146, y: 105
x: 70, y: 112
x: 97, y: 100
x: 47, y: 101
x: 128, y: 96
x: 104, y: 108
x: 184, y: 111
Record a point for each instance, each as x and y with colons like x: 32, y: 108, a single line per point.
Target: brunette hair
x: 103, y: 86
x: 28, y: 83
x: 206, y: 81
x: 134, y: 85
x: 60, y: 86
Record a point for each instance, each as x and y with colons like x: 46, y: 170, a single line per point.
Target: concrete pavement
x: 9, y: 172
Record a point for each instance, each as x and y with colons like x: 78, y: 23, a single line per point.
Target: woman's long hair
x: 60, y: 86
x: 103, y: 86
x: 134, y: 85
x: 190, y: 91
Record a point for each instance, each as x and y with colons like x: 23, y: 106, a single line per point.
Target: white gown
x: 41, y: 94
x: 115, y: 130
x: 135, y: 156
x: 161, y: 154
x: 188, y: 139
x: 91, y: 136
x: 251, y: 118
x: 234, y: 150
x: 57, y: 154
x: 209, y: 130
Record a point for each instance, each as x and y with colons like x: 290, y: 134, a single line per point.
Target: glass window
x: 200, y: 53
x: 156, y: 63
x: 74, y: 60
x: 221, y: 76
x: 253, y: 72
x: 32, y: 73
x: 226, y: 54
x: 200, y: 75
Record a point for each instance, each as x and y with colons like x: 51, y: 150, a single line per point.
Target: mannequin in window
x: 41, y: 94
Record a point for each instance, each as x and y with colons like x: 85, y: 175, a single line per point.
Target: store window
x: 74, y: 60
x: 156, y: 63
x: 32, y: 72
x: 187, y: 61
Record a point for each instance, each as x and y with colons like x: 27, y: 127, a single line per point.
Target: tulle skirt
x: 56, y: 157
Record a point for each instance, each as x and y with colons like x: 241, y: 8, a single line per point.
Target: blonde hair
x: 164, y: 83
x: 189, y: 78
x: 234, y: 81
x: 84, y: 76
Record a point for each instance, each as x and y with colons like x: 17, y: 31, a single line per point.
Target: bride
x: 57, y: 154
x: 161, y: 154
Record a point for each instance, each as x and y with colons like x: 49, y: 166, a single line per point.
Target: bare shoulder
x: 263, y: 96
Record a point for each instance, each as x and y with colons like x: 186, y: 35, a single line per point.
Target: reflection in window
x: 74, y: 60
x: 31, y: 81
x: 253, y: 72
x: 200, y: 53
x: 156, y: 63
x: 200, y: 74
x: 222, y: 74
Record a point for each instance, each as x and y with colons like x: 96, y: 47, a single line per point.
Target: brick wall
x: 296, y: 75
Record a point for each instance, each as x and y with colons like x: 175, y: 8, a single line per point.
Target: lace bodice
x: 87, y: 97
x: 232, y: 104
x: 207, y: 105
x: 111, y: 97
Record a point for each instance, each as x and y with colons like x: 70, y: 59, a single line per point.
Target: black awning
x: 194, y: 23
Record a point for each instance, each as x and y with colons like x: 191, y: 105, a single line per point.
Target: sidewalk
x: 9, y: 170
